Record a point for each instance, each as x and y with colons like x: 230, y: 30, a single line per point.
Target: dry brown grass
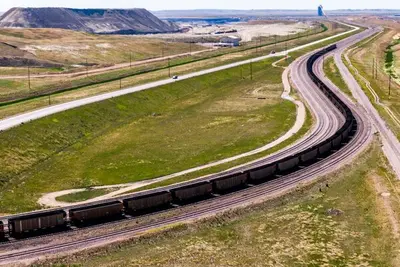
x: 71, y: 47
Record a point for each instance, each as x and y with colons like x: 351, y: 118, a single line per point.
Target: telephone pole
x: 29, y: 77
x: 169, y: 68
x: 373, y: 68
x: 251, y: 70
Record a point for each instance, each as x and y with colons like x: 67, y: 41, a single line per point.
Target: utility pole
x: 373, y: 68
x: 49, y: 101
x: 251, y: 70
x: 390, y: 82
x: 29, y: 77
x: 169, y: 68
x: 286, y: 49
x: 120, y: 83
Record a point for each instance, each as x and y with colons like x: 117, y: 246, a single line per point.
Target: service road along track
x: 338, y: 121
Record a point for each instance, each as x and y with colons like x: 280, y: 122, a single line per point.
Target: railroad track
x: 328, y: 122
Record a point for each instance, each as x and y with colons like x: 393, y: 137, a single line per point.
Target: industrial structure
x: 230, y: 41
x: 321, y: 12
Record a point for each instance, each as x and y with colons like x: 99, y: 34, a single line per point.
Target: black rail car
x: 38, y: 221
x: 2, y: 233
x: 325, y: 148
x: 191, y: 192
x: 289, y: 163
x: 229, y: 182
x: 147, y: 202
x: 309, y: 155
x: 92, y: 213
x: 337, y: 140
x: 262, y: 173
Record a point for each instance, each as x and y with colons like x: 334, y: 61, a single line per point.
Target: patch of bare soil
x: 385, y: 201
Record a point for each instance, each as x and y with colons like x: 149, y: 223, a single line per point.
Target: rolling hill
x: 102, y: 21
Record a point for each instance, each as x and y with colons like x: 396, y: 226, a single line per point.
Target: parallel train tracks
x: 328, y: 123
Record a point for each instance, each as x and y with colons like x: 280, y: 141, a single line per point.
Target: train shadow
x: 193, y: 200
x: 149, y: 211
x: 41, y: 232
x: 97, y: 222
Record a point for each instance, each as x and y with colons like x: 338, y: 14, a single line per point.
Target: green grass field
x: 120, y: 148
x: 362, y: 59
x: 295, y: 230
x: 84, y: 195
x: 143, y: 135
x: 333, y: 74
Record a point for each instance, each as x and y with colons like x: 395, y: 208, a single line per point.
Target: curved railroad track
x: 328, y: 121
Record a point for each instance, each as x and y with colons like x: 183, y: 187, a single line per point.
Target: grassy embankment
x: 362, y: 59
x: 225, y: 166
x: 332, y: 72
x: 84, y: 195
x: 143, y: 135
x: 76, y: 87
x: 390, y: 59
x: 28, y: 176
x: 295, y: 230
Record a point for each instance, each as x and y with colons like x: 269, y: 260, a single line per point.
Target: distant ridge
x: 202, y: 13
x: 102, y: 21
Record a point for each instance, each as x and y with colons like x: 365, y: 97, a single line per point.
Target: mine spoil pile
x: 100, y: 21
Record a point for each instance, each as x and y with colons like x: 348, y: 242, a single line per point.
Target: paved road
x: 40, y: 113
x: 391, y: 145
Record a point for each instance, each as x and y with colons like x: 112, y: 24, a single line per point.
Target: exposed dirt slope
x: 88, y: 20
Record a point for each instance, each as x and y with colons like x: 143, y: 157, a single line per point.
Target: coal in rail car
x: 37, y: 221
x: 230, y: 182
x: 147, y: 202
x: 263, y: 173
x: 96, y: 213
x: 288, y: 163
x: 191, y: 192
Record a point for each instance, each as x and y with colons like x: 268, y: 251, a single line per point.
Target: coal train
x: 142, y: 203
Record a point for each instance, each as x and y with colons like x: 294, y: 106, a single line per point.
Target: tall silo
x: 321, y: 12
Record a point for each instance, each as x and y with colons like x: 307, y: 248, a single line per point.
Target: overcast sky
x: 206, y: 4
